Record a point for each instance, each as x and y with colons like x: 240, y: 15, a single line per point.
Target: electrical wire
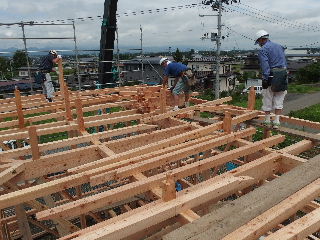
x: 121, y: 14
x: 280, y: 17
x: 267, y: 18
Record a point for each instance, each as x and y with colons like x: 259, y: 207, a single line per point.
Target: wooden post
x: 168, y: 188
x: 251, y: 98
x: 19, y: 108
x: 266, y: 133
x: 80, y: 119
x: 61, y: 78
x: 227, y: 125
x: 23, y: 222
x: 67, y: 103
x: 34, y: 143
x: 4, y: 233
x: 61, y: 228
x: 163, y: 99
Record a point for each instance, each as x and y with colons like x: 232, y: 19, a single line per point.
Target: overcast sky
x: 293, y: 23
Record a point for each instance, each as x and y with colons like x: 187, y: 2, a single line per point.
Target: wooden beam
x: 61, y: 78
x: 80, y: 120
x: 19, y: 108
x: 227, y: 122
x: 187, y: 149
x: 15, y: 153
x: 34, y: 142
x: 223, y: 221
x: 301, y: 122
x: 163, y: 98
x: 251, y: 98
x: 300, y: 228
x: 259, y: 169
x: 297, y: 133
x: 24, y: 227
x: 188, y: 216
x: 277, y: 214
x: 111, y: 196
x: 164, y: 210
x: 11, y: 172
x: 44, y: 227
x: 151, y: 147
x: 168, y: 188
x: 298, y: 147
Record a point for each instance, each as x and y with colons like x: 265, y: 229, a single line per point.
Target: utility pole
x: 141, y: 53
x: 217, y: 6
x: 217, y: 83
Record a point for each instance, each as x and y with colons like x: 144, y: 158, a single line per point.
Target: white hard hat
x: 53, y: 52
x: 162, y: 60
x: 261, y: 34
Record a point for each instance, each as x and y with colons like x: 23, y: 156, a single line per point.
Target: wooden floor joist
x: 146, y: 172
x: 222, y: 222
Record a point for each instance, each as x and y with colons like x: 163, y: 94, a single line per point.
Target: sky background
x: 294, y: 23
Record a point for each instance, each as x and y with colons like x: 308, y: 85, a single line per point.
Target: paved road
x: 296, y: 101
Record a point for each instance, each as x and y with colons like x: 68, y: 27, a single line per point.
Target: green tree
x: 177, y: 56
x: 19, y: 59
x: 4, y: 63
x: 309, y: 74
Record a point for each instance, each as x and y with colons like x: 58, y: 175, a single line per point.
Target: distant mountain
x: 94, y: 50
x: 33, y: 51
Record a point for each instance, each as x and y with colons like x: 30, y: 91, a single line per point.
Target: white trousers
x: 47, y: 87
x: 272, y: 100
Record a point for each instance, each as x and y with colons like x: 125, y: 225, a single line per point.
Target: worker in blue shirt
x: 177, y: 70
x: 274, y: 77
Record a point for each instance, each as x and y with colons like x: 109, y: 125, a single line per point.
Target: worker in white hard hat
x: 274, y: 77
x: 177, y: 70
x: 47, y: 66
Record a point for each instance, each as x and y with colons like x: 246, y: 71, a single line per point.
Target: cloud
x: 180, y: 28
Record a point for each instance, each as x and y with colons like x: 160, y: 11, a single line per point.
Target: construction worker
x: 177, y: 70
x: 46, y: 66
x: 274, y: 77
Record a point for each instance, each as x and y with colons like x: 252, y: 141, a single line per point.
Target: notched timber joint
x: 168, y: 188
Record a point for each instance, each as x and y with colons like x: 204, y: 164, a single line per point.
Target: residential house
x: 152, y: 71
x: 205, y: 68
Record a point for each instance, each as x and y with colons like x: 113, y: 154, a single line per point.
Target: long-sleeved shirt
x: 271, y: 55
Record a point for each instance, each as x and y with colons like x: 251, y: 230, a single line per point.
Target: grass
x: 238, y: 99
x: 311, y: 113
x: 299, y: 88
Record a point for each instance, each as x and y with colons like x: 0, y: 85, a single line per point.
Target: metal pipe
x: 217, y: 83
x: 77, y: 59
x: 141, y: 53
x: 26, y: 53
x: 118, y: 57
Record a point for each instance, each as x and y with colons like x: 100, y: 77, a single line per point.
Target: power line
x: 283, y: 18
x: 123, y: 14
x: 242, y: 35
x: 266, y: 18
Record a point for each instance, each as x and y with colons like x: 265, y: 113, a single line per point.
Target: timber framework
x: 119, y: 164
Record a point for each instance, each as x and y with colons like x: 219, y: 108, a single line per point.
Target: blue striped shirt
x: 271, y: 55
